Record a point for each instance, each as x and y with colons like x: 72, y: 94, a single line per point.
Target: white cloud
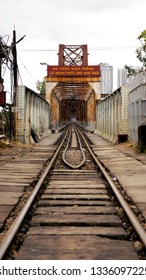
x: 95, y: 6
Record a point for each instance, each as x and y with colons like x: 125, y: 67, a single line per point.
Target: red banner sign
x: 3, y: 98
x: 78, y: 71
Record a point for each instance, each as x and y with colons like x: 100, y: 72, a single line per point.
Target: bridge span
x: 73, y: 87
x: 73, y: 93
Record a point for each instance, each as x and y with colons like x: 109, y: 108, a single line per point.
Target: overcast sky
x: 109, y: 27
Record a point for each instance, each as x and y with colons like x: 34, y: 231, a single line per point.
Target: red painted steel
x: 2, y: 98
x: 73, y: 55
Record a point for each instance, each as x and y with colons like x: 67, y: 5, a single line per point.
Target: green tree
x: 41, y: 86
x: 130, y: 71
x: 141, y: 51
x: 6, y: 121
x: 140, y: 54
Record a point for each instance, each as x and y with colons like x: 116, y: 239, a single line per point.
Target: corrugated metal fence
x: 112, y: 115
x: 32, y: 115
x: 137, y: 105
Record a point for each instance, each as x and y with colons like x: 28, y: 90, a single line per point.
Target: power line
x: 91, y: 49
x: 37, y: 50
x: 26, y: 69
x: 113, y: 48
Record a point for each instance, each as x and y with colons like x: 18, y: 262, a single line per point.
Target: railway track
x: 75, y: 214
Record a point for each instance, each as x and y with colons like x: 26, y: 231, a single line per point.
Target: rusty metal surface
x: 73, y: 101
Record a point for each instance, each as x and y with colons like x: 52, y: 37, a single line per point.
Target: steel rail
x: 81, y: 149
x: 132, y: 217
x: 6, y: 242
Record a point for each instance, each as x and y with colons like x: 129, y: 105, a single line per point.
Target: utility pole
x: 2, y: 92
x: 14, y: 70
x: 1, y: 56
x: 15, y: 66
x: 15, y: 75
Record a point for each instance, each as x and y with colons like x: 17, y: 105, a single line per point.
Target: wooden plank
x: 12, y: 170
x: 30, y: 160
x: 14, y: 179
x: 64, y: 202
x: 72, y: 219
x: 78, y: 171
x: 117, y: 232
x: 3, y: 216
x: 7, y: 183
x: 76, y: 196
x: 4, y: 208
x: 22, y: 167
x: 71, y: 178
x: 142, y: 207
x: 77, y: 185
x: 9, y: 198
x: 15, y: 175
x: 62, y: 247
x: 16, y: 189
x: 75, y: 191
x: 18, y: 172
x: 9, y: 194
x: 8, y: 201
x: 37, y: 154
x: 4, y: 212
x: 76, y: 210
x: 68, y: 182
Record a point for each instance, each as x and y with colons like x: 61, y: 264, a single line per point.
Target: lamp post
x: 43, y: 63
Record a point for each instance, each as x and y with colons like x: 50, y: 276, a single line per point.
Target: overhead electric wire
x: 91, y: 49
x: 27, y: 69
x: 19, y: 75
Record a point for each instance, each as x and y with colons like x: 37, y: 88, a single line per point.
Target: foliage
x: 140, y: 54
x: 41, y: 86
x: 130, y: 71
x: 141, y: 51
x: 142, y: 36
x: 6, y: 120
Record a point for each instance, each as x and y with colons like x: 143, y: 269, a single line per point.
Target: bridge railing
x: 112, y: 115
x: 32, y: 116
x: 137, y: 105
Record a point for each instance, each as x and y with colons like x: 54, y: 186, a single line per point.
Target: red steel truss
x: 73, y: 55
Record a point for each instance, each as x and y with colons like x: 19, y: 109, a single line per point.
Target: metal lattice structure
x: 73, y: 55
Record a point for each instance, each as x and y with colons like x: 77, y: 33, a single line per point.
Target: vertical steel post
x: 0, y: 60
x: 14, y: 52
x: 15, y: 81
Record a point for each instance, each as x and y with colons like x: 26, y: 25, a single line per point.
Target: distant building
x: 106, y: 85
x: 122, y: 75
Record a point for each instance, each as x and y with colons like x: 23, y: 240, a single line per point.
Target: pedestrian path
x: 128, y: 169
